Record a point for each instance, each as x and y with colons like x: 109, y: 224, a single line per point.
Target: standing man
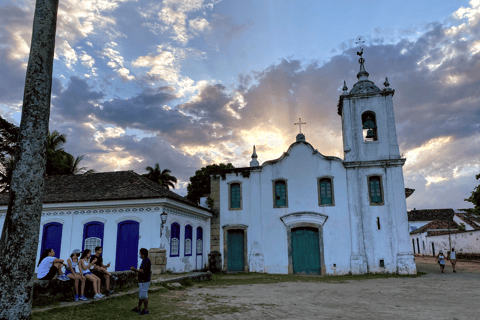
x: 100, y: 270
x: 144, y: 274
x: 453, y: 259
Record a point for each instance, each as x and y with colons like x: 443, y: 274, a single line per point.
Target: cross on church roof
x: 300, y: 124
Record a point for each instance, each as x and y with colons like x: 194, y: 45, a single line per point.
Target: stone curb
x: 197, y: 276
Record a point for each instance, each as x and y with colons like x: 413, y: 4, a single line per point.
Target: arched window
x: 375, y: 190
x: 92, y: 235
x: 175, y: 240
x: 325, y: 191
x: 280, y: 193
x: 235, y: 196
x: 199, y: 240
x: 369, y: 125
x: 52, y: 237
x: 188, y: 240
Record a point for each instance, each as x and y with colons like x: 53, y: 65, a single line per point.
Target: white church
x: 306, y: 213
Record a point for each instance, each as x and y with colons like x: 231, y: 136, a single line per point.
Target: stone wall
x: 215, y: 221
x: 48, y: 291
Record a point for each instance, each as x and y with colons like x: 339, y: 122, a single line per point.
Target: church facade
x: 306, y: 213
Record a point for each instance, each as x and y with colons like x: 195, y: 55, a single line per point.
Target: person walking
x: 441, y: 260
x: 85, y: 269
x: 144, y: 275
x: 72, y: 273
x: 100, y: 270
x: 49, y: 266
x: 453, y: 259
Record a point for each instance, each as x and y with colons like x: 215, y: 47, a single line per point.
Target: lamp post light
x: 163, y: 216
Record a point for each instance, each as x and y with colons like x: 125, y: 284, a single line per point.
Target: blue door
x: 52, y: 237
x: 305, y: 251
x: 127, y: 245
x: 235, y: 249
x: 92, y: 236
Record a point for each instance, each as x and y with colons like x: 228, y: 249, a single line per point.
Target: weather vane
x: 360, y: 41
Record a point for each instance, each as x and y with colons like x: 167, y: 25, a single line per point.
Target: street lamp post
x: 163, y: 216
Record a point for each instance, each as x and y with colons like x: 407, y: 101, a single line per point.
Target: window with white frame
x: 91, y: 243
x: 199, y: 246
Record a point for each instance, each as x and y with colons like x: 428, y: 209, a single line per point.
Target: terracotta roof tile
x: 430, y: 214
x: 470, y: 219
x: 437, y: 224
x: 103, y: 186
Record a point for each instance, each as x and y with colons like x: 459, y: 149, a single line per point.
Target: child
x: 85, y: 269
x: 144, y: 274
x: 72, y: 273
x: 100, y: 270
x: 49, y: 266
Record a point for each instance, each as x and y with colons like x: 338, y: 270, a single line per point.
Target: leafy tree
x: 199, y: 185
x: 163, y: 178
x: 8, y: 139
x: 475, y: 199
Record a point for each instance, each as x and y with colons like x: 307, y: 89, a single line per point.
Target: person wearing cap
x: 72, y: 273
x: 441, y: 261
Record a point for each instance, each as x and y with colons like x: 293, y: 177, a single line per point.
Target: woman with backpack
x: 441, y: 260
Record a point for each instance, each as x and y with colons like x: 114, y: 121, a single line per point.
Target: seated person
x: 84, y: 267
x: 72, y: 273
x: 49, y: 266
x: 100, y: 270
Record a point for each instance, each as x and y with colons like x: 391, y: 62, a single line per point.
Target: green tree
x: 8, y: 140
x: 199, y: 185
x: 475, y: 199
x: 163, y: 178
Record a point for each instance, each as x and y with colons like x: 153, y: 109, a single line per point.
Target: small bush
x: 187, y: 282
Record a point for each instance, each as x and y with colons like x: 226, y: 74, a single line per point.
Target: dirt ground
x: 433, y: 296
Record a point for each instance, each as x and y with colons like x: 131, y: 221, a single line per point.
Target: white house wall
x: 465, y: 242
x: 149, y: 231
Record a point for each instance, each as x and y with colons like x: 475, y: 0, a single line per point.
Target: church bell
x: 370, y: 133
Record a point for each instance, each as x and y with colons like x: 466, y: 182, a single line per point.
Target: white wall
x: 465, y: 242
x: 73, y: 223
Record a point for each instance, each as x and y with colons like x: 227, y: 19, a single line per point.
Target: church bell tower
x: 368, y: 122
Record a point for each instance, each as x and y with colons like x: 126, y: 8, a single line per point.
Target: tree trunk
x: 19, y: 241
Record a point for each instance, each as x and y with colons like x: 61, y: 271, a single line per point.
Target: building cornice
x: 375, y: 163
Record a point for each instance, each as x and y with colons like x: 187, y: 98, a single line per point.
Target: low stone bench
x: 48, y: 291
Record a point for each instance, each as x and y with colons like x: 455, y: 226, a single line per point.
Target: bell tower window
x: 369, y: 126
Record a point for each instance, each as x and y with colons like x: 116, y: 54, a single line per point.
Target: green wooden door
x: 305, y: 251
x: 235, y: 250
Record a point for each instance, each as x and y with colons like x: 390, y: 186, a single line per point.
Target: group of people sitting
x: 90, y: 267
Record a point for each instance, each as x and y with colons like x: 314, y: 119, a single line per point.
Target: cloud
x: 116, y: 61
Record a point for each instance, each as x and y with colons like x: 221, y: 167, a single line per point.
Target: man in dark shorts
x: 144, y: 275
x: 100, y: 270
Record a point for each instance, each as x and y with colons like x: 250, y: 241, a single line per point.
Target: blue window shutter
x: 199, y: 233
x: 175, y: 233
x: 280, y: 194
x: 52, y: 237
x: 235, y: 195
x: 188, y: 244
x: 93, y: 229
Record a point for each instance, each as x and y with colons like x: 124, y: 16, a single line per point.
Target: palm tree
x: 55, y: 152
x: 72, y: 165
x: 6, y: 174
x: 162, y: 178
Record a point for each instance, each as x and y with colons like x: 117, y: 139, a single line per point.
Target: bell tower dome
x: 368, y: 122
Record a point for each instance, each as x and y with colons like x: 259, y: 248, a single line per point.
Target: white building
x: 309, y: 213
x: 443, y: 233
x: 120, y: 211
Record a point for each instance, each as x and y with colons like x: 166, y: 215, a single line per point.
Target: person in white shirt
x: 72, y: 273
x: 85, y: 270
x: 441, y: 260
x: 453, y: 259
x: 49, y: 266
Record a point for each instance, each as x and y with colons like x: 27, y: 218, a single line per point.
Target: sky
x: 190, y: 83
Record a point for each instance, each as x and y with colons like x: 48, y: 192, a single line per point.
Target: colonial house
x: 310, y: 213
x: 442, y: 229
x: 122, y: 212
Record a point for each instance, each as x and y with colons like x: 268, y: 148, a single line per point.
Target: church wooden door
x: 235, y: 250
x: 127, y: 245
x: 52, y: 237
x: 305, y: 251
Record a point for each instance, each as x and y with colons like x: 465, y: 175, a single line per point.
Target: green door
x: 305, y: 251
x: 235, y: 250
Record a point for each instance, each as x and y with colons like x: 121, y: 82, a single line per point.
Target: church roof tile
x: 430, y: 214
